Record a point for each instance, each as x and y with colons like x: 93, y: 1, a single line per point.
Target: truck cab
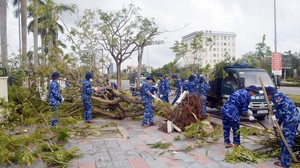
x: 237, y: 77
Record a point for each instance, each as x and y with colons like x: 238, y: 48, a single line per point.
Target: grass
x: 295, y: 98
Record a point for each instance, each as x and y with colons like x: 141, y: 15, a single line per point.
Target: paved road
x: 286, y: 90
x: 133, y: 151
x: 266, y: 122
x: 290, y: 90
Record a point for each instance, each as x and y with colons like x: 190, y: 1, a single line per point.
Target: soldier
x: 178, y: 86
x: 184, y: 84
x: 55, y: 98
x: 203, y: 88
x: 147, y: 100
x: 168, y: 88
x: 288, y: 117
x: 163, y: 93
x: 236, y: 105
x: 86, y: 95
x: 192, y: 85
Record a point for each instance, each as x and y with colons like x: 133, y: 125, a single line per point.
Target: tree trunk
x: 139, y: 68
x: 35, y: 35
x: 24, y: 33
x: 3, y: 30
x: 43, y: 55
x: 119, y: 74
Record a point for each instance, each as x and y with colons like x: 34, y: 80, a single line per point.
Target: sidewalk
x: 132, y: 150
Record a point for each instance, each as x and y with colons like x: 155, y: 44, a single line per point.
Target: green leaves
x: 242, y: 154
x: 63, y: 135
x: 195, y: 130
x: 28, y: 158
x: 160, y: 145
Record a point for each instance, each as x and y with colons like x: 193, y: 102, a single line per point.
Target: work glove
x: 91, y: 80
x: 161, y: 95
x: 251, y: 118
x: 62, y: 99
x: 154, y: 96
x: 274, y: 118
x: 250, y: 112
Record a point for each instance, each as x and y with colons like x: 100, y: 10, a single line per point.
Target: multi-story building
x: 222, y: 47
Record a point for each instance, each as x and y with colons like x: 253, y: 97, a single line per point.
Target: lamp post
x: 275, y: 28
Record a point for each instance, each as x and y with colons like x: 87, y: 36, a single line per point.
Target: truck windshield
x: 252, y: 78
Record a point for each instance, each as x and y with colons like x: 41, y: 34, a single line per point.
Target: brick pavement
x: 132, y: 151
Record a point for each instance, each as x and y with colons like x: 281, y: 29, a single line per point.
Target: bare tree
x: 148, y: 30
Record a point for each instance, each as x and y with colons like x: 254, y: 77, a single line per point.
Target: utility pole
x: 275, y: 28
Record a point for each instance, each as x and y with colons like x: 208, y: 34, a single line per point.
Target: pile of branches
x: 186, y: 113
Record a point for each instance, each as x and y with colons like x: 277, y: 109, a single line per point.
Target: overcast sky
x: 249, y: 19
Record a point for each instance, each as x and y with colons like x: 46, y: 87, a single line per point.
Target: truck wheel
x: 260, y: 117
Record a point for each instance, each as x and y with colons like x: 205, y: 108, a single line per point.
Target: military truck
x: 240, y: 76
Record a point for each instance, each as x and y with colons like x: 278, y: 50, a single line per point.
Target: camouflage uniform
x: 147, y: 103
x: 153, y: 89
x: 86, y: 95
x: 184, y: 86
x: 236, y: 105
x: 54, y: 101
x: 114, y: 85
x: 288, y: 116
x: 168, y: 88
x: 192, y: 87
x: 163, y: 90
x: 203, y: 88
x: 178, y: 86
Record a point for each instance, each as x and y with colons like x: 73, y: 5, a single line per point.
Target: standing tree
x: 147, y: 31
x: 35, y: 33
x: 198, y: 49
x: 116, y: 32
x: 46, y: 14
x: 85, y: 45
x: 24, y: 33
x: 3, y: 30
x: 180, y: 49
x: 262, y: 50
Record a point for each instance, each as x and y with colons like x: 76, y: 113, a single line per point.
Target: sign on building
x: 277, y: 63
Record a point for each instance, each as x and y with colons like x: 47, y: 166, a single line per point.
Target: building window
x: 224, y: 37
x: 224, y: 44
x: 214, y: 49
x: 228, y: 50
x: 225, y: 49
x: 217, y: 49
x: 233, y: 44
x: 214, y: 55
x: 228, y: 44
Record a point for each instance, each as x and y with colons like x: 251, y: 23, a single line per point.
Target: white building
x: 222, y: 47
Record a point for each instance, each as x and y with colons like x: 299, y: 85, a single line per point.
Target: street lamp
x: 275, y: 30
